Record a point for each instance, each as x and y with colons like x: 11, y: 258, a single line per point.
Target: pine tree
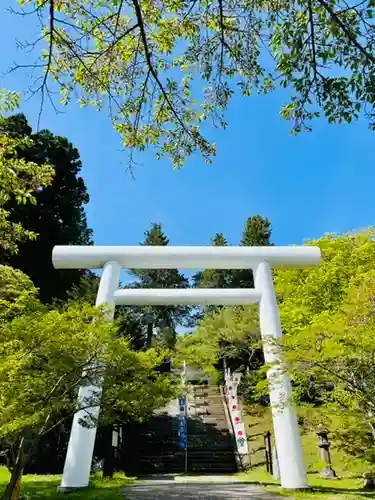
x: 215, y: 278
x: 161, y: 318
x: 257, y: 232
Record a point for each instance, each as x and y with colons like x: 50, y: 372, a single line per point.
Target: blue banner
x: 182, y: 422
x: 182, y: 404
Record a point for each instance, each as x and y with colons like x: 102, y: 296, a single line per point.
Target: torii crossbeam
x: 261, y: 260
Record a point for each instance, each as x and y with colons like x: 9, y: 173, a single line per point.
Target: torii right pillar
x: 287, y: 437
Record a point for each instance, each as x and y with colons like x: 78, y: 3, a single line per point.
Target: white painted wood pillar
x: 287, y: 436
x: 78, y: 459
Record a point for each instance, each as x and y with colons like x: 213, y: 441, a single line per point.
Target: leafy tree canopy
x: 57, y: 216
x: 257, y: 232
x: 17, y: 293
x: 227, y: 333
x: 305, y: 294
x: 85, y: 290
x: 14, y: 283
x: 46, y: 355
x: 323, y: 309
x: 146, y: 61
x: 335, y: 354
x: 328, y: 322
x: 20, y: 180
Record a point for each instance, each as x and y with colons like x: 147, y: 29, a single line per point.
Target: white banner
x: 231, y: 385
x: 233, y: 392
x: 228, y: 384
x: 241, y: 438
x: 233, y: 404
x: 236, y: 417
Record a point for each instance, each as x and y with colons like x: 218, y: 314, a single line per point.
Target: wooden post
x: 267, y: 445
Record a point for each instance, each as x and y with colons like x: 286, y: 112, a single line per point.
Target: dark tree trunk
x: 12, y: 490
x: 150, y: 332
x: 109, y: 458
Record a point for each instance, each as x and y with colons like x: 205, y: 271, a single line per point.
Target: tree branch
x: 43, y: 86
x: 223, y: 43
x: 138, y: 14
x: 115, y: 42
x: 346, y: 30
x: 313, y: 48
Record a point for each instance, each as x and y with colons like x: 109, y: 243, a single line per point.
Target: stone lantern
x: 325, y: 455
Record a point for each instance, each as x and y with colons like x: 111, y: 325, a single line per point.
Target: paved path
x: 197, y: 490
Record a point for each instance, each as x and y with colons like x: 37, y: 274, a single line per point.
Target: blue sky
x: 306, y: 185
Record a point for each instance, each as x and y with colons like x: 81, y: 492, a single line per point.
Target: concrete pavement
x: 197, y: 488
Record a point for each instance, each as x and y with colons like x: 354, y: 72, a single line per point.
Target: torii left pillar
x: 82, y: 439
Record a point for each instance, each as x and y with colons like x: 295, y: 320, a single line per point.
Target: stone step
x: 207, y: 407
x: 202, y: 395
x: 224, y: 457
x: 208, y: 418
x: 212, y: 432
x: 207, y: 388
x: 191, y: 463
x: 198, y: 454
x: 201, y: 410
x: 204, y: 405
x: 202, y: 441
x: 160, y: 468
x: 209, y: 442
x: 213, y: 469
x: 204, y: 392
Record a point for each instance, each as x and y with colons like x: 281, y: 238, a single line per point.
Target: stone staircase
x: 153, y: 447
x: 210, y: 446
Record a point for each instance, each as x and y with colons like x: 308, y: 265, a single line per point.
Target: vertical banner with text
x: 182, y: 426
x: 232, y: 384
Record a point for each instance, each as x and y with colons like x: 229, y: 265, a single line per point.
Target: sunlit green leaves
x: 19, y: 180
x: 9, y: 100
x: 234, y: 325
x: 327, y: 315
x: 46, y: 355
x: 146, y: 61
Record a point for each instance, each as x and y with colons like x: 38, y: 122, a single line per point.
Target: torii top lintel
x: 184, y: 257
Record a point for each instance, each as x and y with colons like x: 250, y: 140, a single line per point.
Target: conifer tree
x: 161, y: 320
x: 257, y: 232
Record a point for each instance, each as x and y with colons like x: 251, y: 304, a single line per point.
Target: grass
x: 38, y: 487
x: 320, y: 489
x: 348, y: 485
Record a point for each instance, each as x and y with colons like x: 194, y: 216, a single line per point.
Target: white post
x: 82, y: 440
x: 287, y: 437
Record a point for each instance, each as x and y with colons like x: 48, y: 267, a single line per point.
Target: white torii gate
x: 260, y: 260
